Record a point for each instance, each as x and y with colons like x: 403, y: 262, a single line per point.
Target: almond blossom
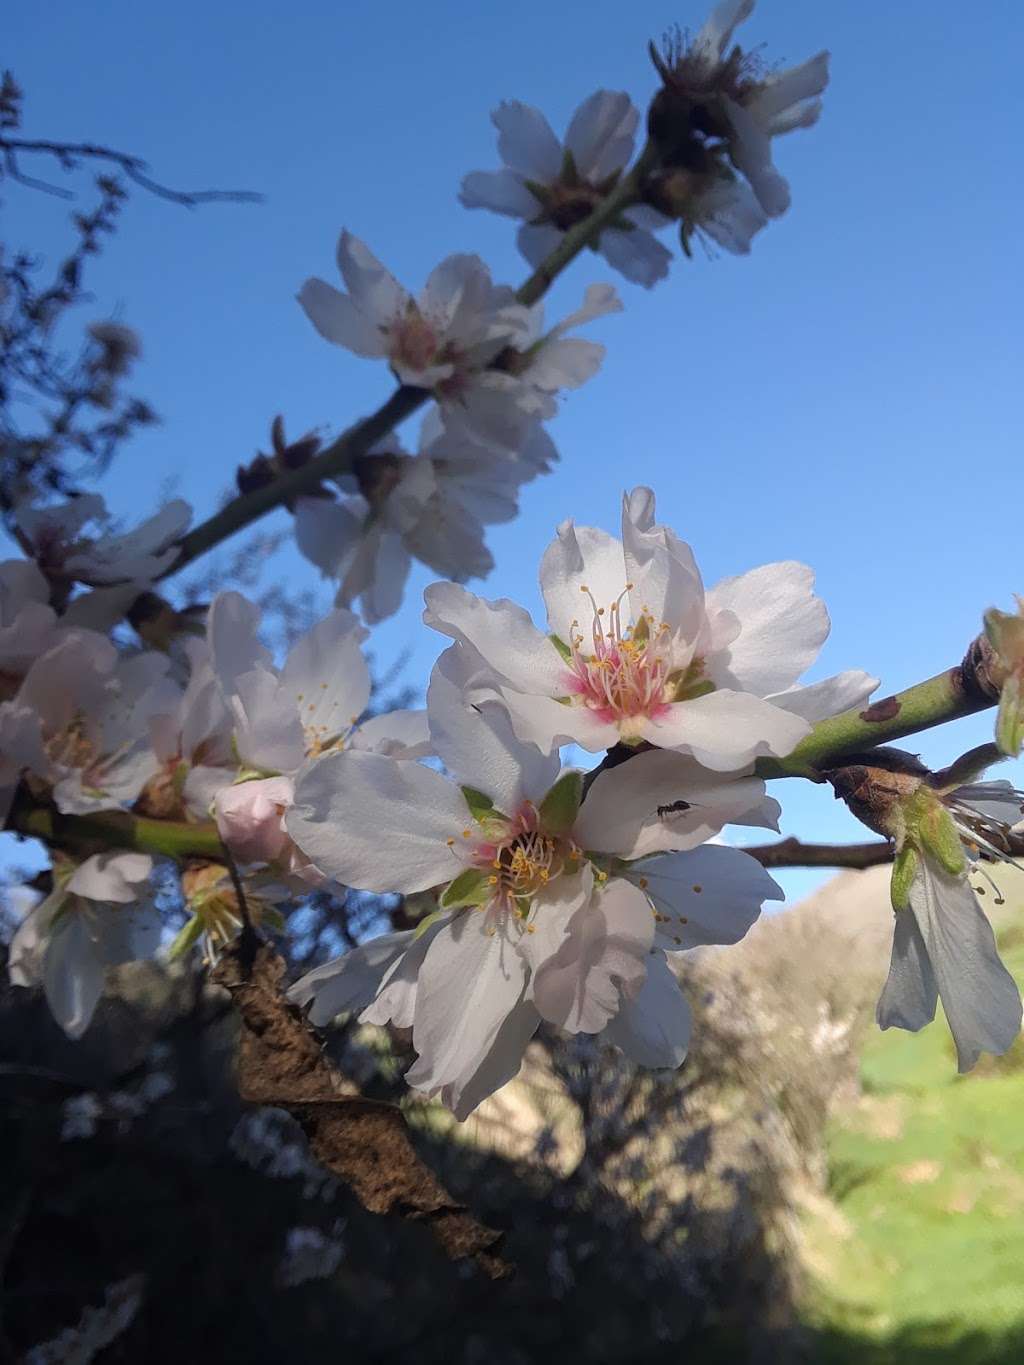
x: 432, y: 506
x: 537, y: 916
x: 79, y: 723
x: 553, y: 185
x: 438, y: 340
x: 943, y: 944
x: 28, y: 624
x: 636, y: 650
x: 99, y: 915
x: 280, y: 718
x: 55, y: 536
x: 718, y: 112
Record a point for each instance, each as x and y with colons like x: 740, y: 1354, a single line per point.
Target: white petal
x: 783, y: 627
x: 666, y: 583
x: 72, y: 974
x: 726, y: 730
x: 654, y: 1029
x: 499, y: 191
x: 471, y: 980
x: 780, y: 92
x: 231, y: 631
x: 395, y: 1001
x: 347, y: 984
x: 580, y: 558
x: 910, y: 993
x: 337, y: 319
x: 830, y: 697
x: 979, y: 995
x: 499, y: 1066
x: 111, y: 876
x: 477, y: 744
x: 268, y: 733
x: 997, y: 801
x: 637, y: 254
x: 628, y: 810
x: 729, y: 213
x: 565, y: 364
x: 551, y: 916
x: 128, y: 933
x: 601, y: 134
x: 526, y: 142
x: 374, y: 290
x: 711, y: 894
x: 716, y: 34
x: 548, y: 723
x: 501, y: 632
x: 377, y: 823
x: 398, y: 734
x: 325, y: 532
x: 325, y: 678
x: 751, y: 150
x: 599, y: 301
x: 537, y: 242
x: 602, y: 961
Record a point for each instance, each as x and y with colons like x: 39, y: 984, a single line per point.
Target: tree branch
x: 339, y: 457
x: 958, y: 692
x: 793, y: 853
x: 68, y: 153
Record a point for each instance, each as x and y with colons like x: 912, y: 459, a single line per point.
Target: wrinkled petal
x: 910, y: 993
x: 326, y: 678
x: 398, y: 734
x: 72, y: 974
x: 500, y: 1065
x: 113, y: 877
x: 830, y: 697
x: 501, y: 632
x: 580, y: 563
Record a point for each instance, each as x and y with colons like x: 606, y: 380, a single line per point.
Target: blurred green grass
x: 919, y: 1254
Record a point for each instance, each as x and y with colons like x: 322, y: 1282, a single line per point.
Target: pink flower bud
x: 250, y: 818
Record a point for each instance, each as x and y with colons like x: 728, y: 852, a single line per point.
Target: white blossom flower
x: 432, y: 506
x: 552, y: 186
x: 438, y: 340
x: 538, y: 917
x: 80, y: 722
x: 943, y: 944
x: 716, y: 99
x: 100, y: 916
x: 637, y: 651
x: 282, y: 718
x: 63, y: 552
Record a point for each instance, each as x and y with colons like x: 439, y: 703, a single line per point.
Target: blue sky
x: 848, y: 395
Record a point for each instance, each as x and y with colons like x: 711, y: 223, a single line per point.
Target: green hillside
x: 920, y: 1257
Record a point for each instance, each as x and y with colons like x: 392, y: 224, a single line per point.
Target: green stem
x: 339, y: 456
x: 948, y: 696
x: 87, y: 834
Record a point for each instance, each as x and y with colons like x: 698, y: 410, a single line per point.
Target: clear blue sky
x: 848, y: 395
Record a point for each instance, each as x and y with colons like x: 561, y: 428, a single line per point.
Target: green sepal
x: 480, y: 805
x: 426, y: 922
x: 185, y: 939
x: 559, y: 809
x: 471, y: 887
x: 904, y: 870
x: 561, y: 646
x: 1010, y: 718
x: 939, y: 838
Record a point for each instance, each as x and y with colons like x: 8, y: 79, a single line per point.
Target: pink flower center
x: 520, y: 859
x: 623, y: 671
x: 414, y: 340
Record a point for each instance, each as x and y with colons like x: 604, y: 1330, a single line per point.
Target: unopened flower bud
x: 1005, y: 633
